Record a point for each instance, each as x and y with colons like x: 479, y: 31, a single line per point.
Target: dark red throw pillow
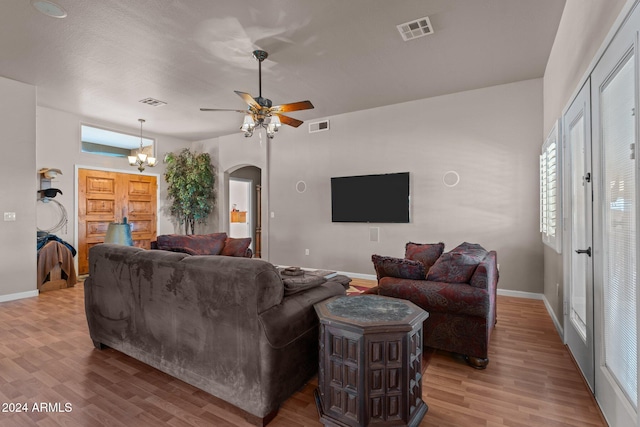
x: 426, y: 253
x: 195, y: 244
x: 236, y: 247
x: 396, y: 267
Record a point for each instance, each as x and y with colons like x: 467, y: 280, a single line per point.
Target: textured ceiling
x: 342, y: 55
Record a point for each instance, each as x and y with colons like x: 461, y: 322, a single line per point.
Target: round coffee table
x: 370, y: 368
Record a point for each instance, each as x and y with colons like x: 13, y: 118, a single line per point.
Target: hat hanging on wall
x: 50, y: 173
x: 49, y: 192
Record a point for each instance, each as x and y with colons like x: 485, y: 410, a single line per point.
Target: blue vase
x: 120, y: 234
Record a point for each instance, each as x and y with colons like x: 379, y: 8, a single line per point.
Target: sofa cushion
x: 426, y: 253
x: 236, y: 247
x: 397, y: 267
x: 457, y: 265
x: 471, y: 249
x: 453, y: 298
x: 195, y: 244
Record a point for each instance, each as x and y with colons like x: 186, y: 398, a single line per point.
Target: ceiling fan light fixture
x: 261, y: 112
x: 248, y: 125
x: 272, y: 126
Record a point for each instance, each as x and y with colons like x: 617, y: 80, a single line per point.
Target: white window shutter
x: 550, y: 201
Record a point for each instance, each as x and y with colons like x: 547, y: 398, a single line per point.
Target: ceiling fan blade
x: 289, y: 120
x: 294, y: 106
x: 248, y: 99
x: 223, y: 109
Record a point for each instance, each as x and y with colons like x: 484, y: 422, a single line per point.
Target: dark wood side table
x: 370, y: 368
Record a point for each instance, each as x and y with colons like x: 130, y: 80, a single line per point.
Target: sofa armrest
x: 486, y: 274
x: 285, y: 322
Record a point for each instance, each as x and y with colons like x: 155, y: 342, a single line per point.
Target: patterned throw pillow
x: 195, y: 244
x: 236, y: 247
x: 426, y: 253
x: 457, y: 265
x: 396, y: 267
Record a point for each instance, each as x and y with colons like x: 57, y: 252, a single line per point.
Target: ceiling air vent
x: 153, y: 102
x: 414, y: 29
x: 319, y: 126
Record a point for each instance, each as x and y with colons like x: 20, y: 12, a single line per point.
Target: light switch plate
x: 9, y: 216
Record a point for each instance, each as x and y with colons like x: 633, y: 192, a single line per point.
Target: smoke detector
x: 413, y: 29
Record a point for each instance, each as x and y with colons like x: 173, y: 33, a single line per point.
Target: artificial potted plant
x: 190, y: 178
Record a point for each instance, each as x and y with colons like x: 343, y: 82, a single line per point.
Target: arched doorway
x: 244, y: 202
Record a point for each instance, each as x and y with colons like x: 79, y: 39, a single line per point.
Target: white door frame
x: 614, y: 404
x: 582, y: 347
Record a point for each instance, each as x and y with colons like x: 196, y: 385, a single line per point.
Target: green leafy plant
x: 190, y: 178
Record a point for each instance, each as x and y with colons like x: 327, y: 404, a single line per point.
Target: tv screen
x: 370, y: 198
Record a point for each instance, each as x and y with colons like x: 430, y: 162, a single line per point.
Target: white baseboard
x: 519, y: 294
x: 556, y: 323
x: 19, y: 295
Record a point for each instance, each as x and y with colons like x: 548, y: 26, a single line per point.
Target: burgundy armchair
x: 457, y: 288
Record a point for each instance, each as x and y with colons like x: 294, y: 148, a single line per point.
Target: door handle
x: 584, y: 251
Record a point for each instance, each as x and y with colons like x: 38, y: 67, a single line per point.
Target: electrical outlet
x: 273, y: 214
x: 9, y: 216
x: 306, y: 251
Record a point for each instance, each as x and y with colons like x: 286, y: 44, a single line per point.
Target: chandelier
x: 141, y: 160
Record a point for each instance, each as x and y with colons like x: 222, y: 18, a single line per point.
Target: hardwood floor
x: 47, y: 357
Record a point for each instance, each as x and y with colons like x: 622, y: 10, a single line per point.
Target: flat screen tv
x: 370, y: 198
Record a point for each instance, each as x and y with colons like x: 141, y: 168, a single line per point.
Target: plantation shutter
x: 550, y: 190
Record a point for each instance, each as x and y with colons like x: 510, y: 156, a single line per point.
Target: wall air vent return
x: 153, y: 102
x: 319, y: 126
x: 414, y: 29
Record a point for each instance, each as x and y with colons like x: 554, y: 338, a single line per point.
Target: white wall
x: 18, y: 189
x: 490, y: 136
x: 583, y: 28
x: 58, y: 135
x: 229, y: 153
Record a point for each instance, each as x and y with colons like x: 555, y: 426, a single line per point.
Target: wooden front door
x: 105, y: 197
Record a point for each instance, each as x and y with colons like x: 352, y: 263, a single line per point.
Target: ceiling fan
x: 261, y: 112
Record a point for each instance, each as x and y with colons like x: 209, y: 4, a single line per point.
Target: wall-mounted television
x: 370, y: 198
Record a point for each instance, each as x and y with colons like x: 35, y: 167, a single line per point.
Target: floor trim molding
x: 555, y: 320
x: 19, y: 295
x: 519, y: 294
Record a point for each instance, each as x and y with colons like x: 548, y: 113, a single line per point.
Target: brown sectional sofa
x: 222, y: 324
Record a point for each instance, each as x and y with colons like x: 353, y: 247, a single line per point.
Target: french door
x: 105, y: 197
x: 614, y: 92
x: 578, y: 312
